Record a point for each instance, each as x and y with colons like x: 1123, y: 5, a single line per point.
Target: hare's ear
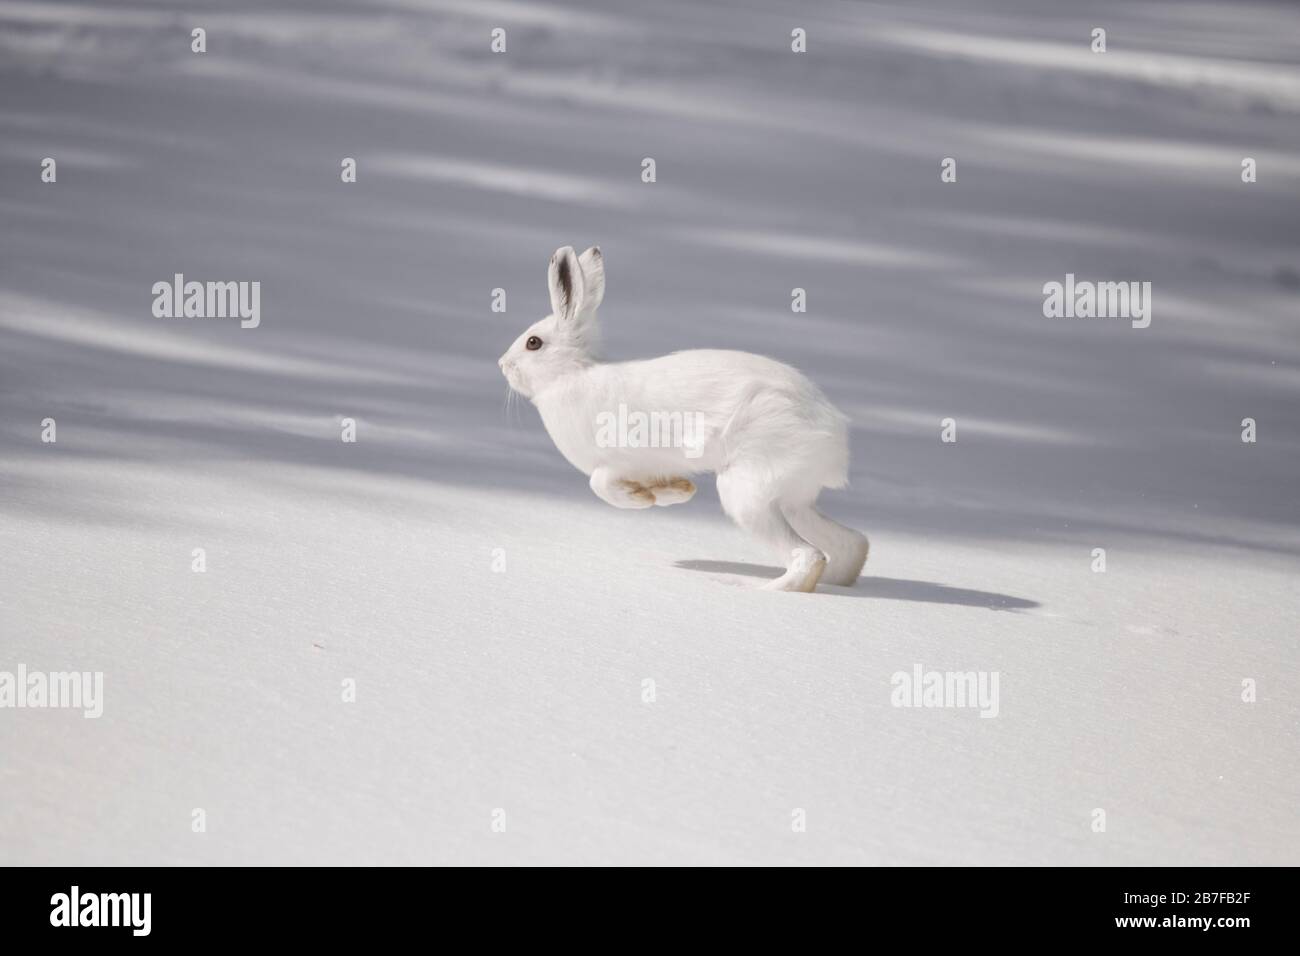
x: 567, y: 286
x: 593, y: 273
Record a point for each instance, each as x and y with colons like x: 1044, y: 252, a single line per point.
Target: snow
x: 522, y: 689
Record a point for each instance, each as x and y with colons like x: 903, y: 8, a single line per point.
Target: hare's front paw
x: 634, y: 493
x: 671, y: 491
x: 620, y: 492
x: 640, y: 493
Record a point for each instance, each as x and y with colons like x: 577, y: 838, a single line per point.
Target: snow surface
x: 522, y: 689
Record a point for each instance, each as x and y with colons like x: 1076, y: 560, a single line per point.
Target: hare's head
x: 565, y: 340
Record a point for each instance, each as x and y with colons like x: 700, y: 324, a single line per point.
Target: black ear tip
x: 595, y: 251
x: 565, y: 280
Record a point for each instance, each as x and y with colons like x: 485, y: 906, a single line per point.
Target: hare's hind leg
x: 751, y: 502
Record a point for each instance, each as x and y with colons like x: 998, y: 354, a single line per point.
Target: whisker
x: 510, y: 405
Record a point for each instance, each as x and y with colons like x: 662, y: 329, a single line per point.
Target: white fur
x: 771, y: 436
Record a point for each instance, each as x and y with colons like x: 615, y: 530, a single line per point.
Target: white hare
x: 770, y: 435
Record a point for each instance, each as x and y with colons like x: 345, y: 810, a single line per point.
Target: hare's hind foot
x: 805, y: 570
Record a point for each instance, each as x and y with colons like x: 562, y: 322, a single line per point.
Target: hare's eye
x: 533, y: 343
